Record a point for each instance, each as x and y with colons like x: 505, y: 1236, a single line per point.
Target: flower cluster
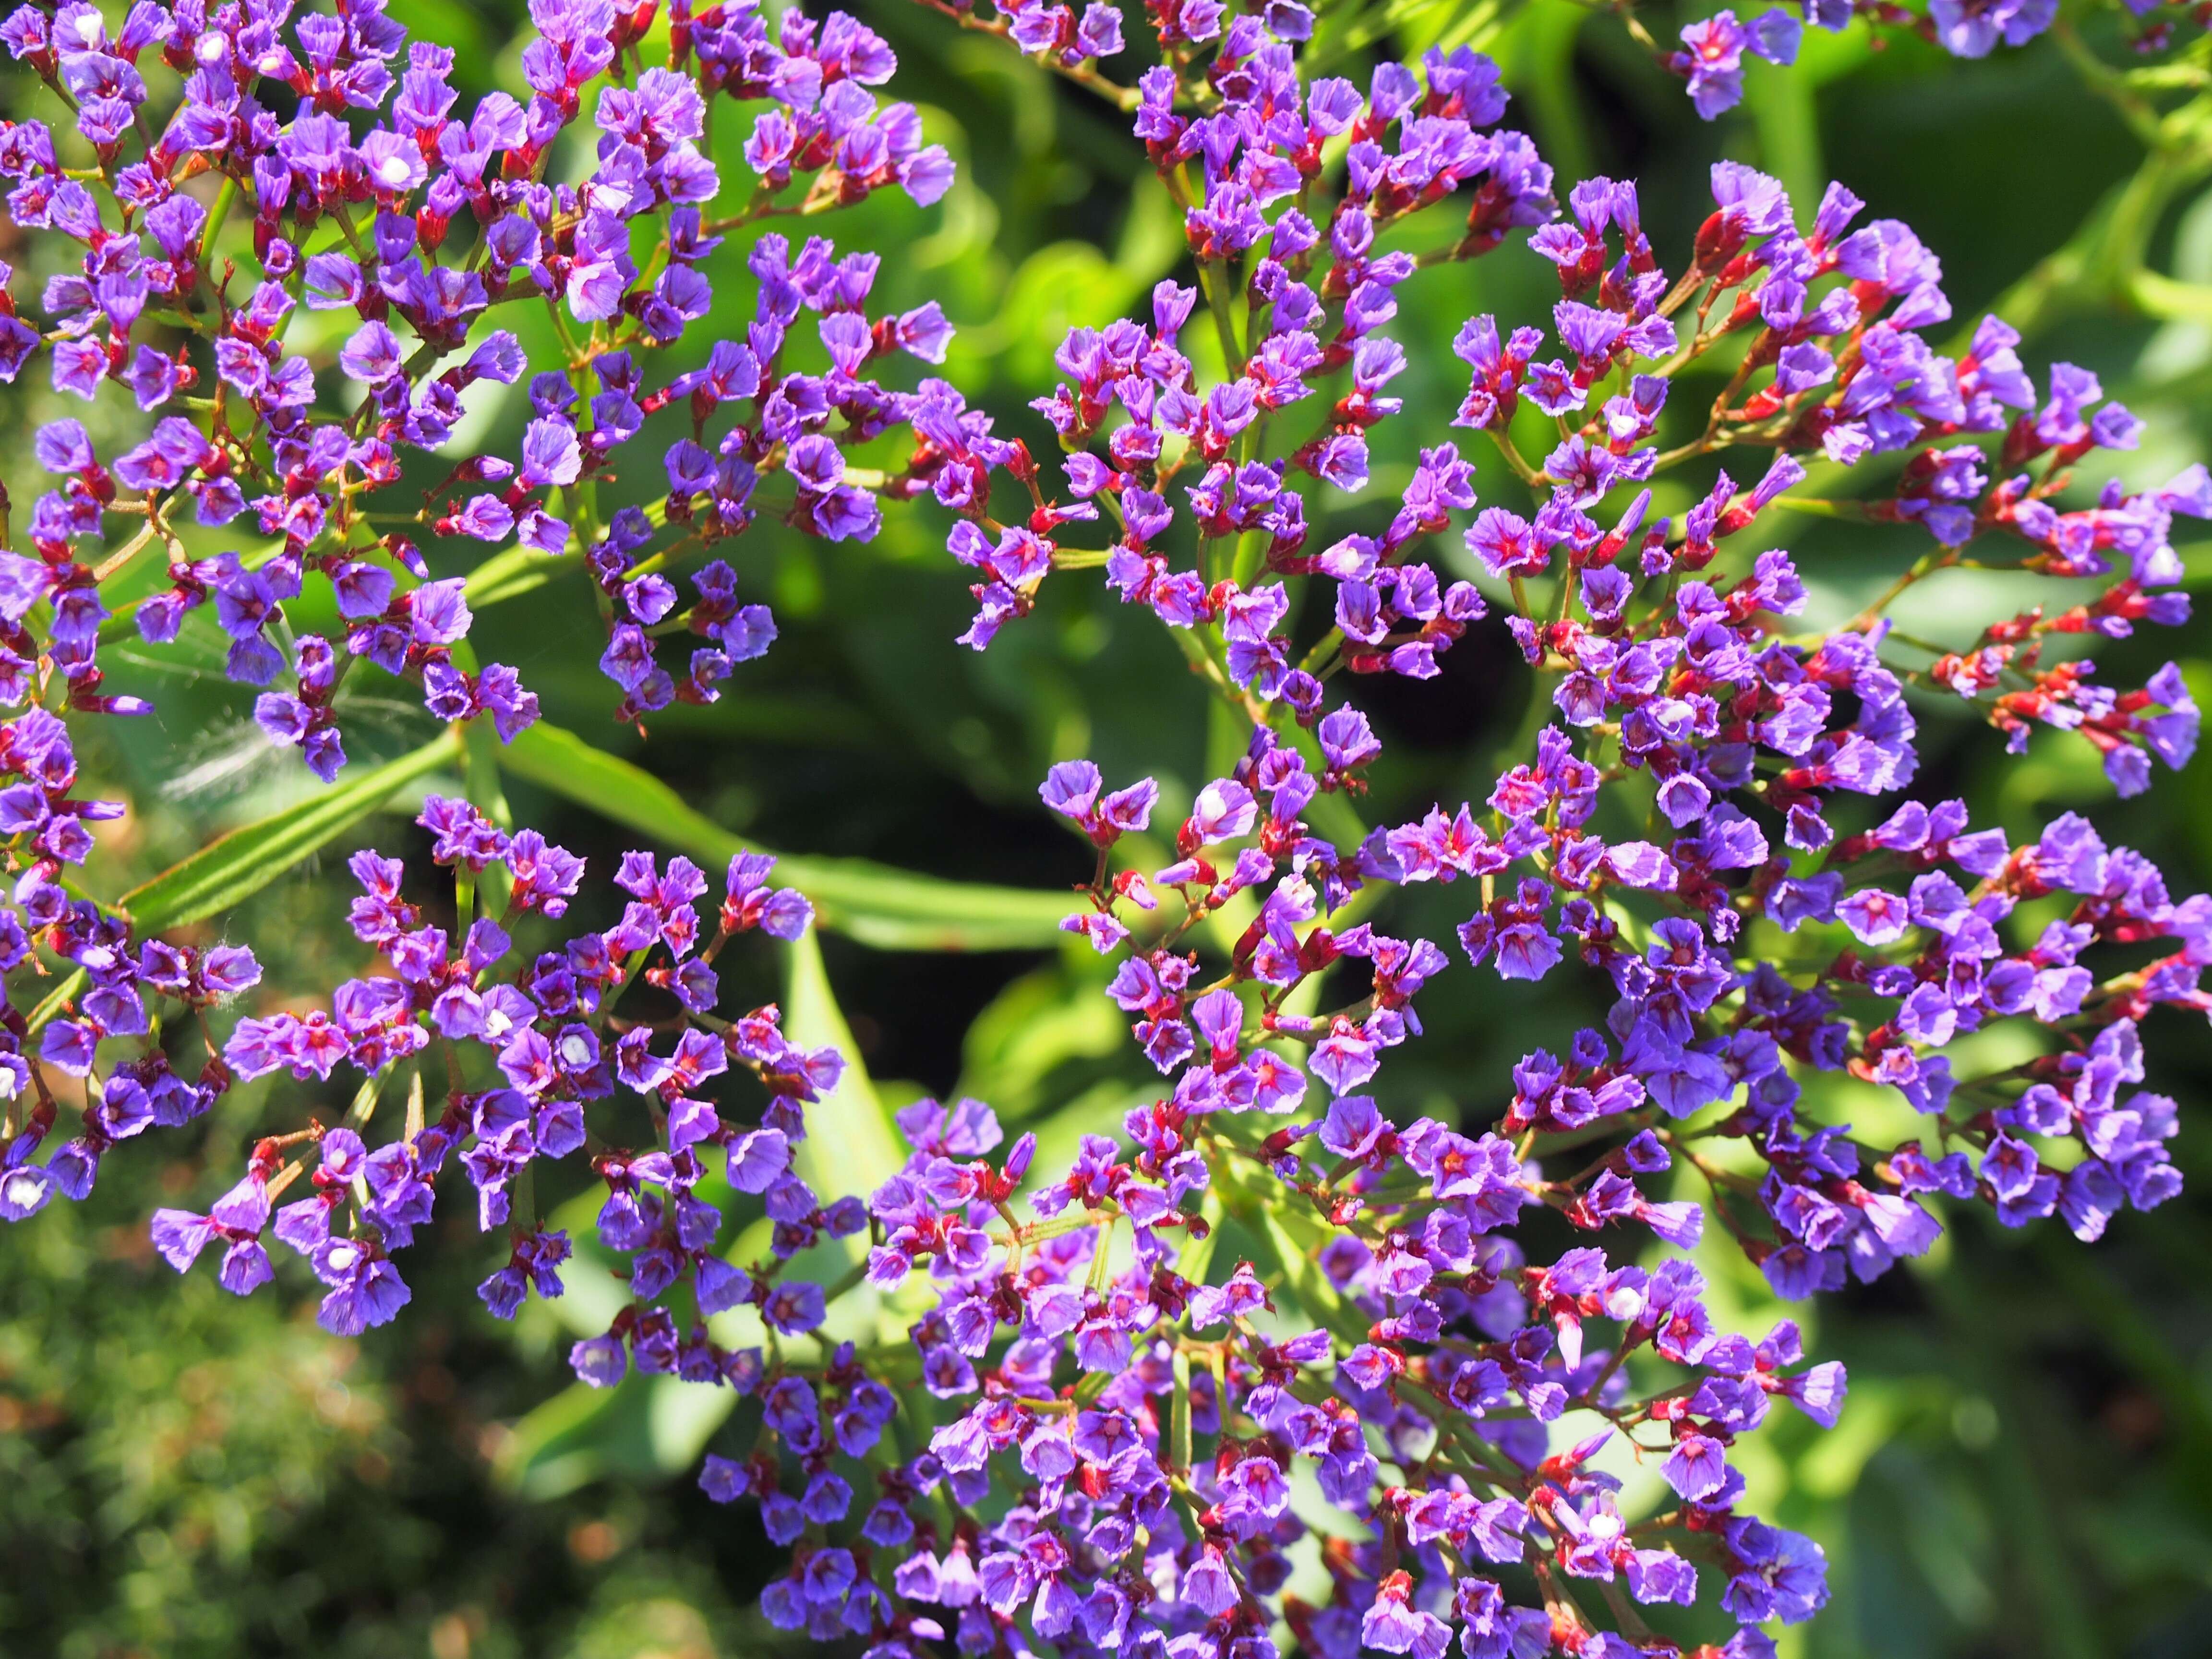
x: 1315, y: 298
x: 402, y: 228
x: 1069, y: 1414
x: 1775, y: 931
x: 551, y: 1031
x: 1709, y: 59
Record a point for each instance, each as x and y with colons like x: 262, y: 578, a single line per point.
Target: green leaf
x: 681, y: 1418
x: 850, y: 1150
x: 850, y: 1146
x: 874, y: 904
x: 1052, y: 1023
x: 579, y: 1436
x: 248, y: 859
x: 50, y: 1005
x: 1295, y: 1240
x: 517, y: 571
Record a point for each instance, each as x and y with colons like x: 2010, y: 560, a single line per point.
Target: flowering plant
x: 1272, y: 1362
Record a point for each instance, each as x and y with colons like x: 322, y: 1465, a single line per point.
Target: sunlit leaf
x: 874, y: 904
x: 578, y: 1435
x: 1041, y: 1023
x: 248, y: 859
x: 513, y: 573
x: 850, y: 1145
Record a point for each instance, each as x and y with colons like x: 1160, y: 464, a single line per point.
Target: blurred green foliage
x: 2025, y: 1465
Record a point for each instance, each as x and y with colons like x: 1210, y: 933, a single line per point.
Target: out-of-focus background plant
x: 2025, y: 1464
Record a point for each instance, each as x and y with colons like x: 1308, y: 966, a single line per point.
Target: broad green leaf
x: 682, y: 1418
x: 55, y: 1000
x: 248, y: 859
x: 1045, y: 1021
x: 1349, y: 28
x: 872, y: 903
x: 579, y: 1435
x: 517, y: 571
x: 1057, y: 287
x: 850, y: 1146
x: 895, y: 910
